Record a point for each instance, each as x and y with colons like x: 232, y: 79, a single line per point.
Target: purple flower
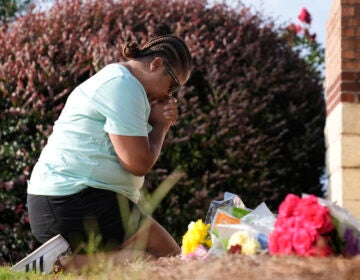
x: 351, y: 247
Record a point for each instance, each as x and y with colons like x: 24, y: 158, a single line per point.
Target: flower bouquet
x: 232, y: 229
x: 311, y: 226
x: 304, y: 226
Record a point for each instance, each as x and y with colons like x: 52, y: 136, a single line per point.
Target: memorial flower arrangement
x: 304, y: 226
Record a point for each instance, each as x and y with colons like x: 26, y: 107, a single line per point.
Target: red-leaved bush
x: 251, y: 120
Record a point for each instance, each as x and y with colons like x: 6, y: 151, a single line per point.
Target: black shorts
x: 92, y: 213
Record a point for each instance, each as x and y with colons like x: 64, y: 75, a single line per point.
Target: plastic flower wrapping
x: 304, y: 226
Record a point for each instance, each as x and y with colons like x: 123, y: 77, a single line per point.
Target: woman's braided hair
x: 169, y: 47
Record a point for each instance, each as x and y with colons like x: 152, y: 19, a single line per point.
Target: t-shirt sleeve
x: 124, y: 105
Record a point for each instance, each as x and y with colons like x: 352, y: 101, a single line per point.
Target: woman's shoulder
x: 111, y: 73
x: 116, y: 69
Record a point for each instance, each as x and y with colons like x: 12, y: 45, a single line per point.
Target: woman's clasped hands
x: 164, y: 111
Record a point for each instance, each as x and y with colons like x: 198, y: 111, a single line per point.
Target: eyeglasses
x: 177, y: 86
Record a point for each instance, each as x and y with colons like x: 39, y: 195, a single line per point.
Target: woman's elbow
x: 138, y: 173
x: 137, y: 169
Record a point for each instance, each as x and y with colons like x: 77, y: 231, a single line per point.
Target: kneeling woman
x: 108, y: 136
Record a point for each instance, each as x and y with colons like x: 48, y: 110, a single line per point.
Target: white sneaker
x: 44, y: 258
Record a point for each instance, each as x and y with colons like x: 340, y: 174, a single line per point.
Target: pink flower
x: 285, y: 224
x: 280, y: 243
x: 287, y: 207
x: 304, y: 16
x: 314, y: 216
x: 302, y: 240
x: 200, y: 252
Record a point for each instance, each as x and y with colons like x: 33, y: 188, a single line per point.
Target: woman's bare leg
x: 153, y: 239
x: 79, y: 263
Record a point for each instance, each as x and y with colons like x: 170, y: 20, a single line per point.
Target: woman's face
x: 165, y: 81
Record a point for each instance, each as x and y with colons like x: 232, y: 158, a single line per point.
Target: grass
x: 98, y: 272
x: 6, y: 274
x: 99, y: 269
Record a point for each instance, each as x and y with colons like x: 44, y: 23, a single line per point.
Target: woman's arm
x: 138, y: 154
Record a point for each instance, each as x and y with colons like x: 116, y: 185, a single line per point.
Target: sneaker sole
x: 35, y: 261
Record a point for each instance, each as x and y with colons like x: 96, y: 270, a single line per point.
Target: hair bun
x: 131, y: 50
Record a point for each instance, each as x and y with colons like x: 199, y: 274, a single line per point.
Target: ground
x: 252, y: 267
x: 229, y: 267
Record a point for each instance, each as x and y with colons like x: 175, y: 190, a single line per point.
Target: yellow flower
x: 197, y: 234
x: 249, y: 245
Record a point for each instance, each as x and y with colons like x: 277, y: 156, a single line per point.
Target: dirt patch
x: 253, y: 267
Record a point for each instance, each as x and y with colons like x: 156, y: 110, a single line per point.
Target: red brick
x: 344, y: 85
x: 350, y: 43
x: 347, y: 97
x: 350, y: 21
x: 349, y: 65
x: 348, y: 11
x: 349, y: 86
x: 350, y: 76
x: 348, y: 32
x: 349, y: 2
x: 349, y: 54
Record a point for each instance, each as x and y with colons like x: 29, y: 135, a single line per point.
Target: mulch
x: 253, y: 267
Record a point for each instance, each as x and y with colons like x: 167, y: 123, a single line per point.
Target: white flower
x: 249, y: 245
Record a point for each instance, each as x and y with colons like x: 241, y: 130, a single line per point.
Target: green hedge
x: 252, y: 115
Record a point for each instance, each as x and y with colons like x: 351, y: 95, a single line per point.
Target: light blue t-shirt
x: 79, y: 152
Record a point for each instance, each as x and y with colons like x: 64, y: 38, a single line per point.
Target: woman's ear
x: 156, y: 63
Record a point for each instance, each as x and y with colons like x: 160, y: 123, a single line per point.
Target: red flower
x: 305, y: 16
x: 235, y: 249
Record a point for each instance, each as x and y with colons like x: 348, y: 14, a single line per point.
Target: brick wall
x: 343, y: 54
x: 342, y: 88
